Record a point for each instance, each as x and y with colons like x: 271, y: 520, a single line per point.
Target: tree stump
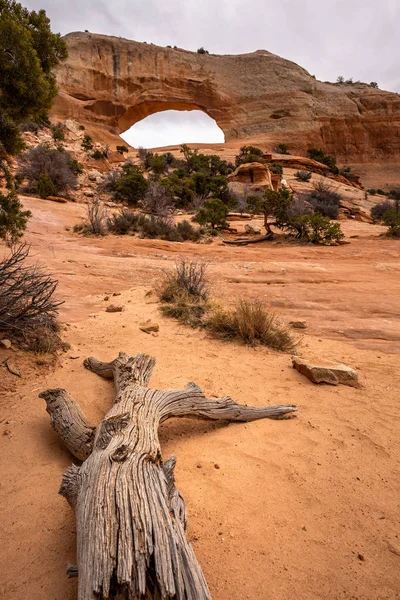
x: 130, y: 517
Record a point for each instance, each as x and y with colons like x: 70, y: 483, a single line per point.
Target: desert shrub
x: 325, y: 159
x: 213, y: 214
x: 57, y: 132
x: 13, y: 219
x: 144, y: 156
x: 96, y: 220
x: 45, y: 187
x: 282, y: 149
x: 99, y: 153
x: 340, y: 79
x: 324, y: 199
x: 122, y: 149
x: 87, y: 143
x: 130, y: 185
x: 303, y: 175
x: 248, y: 154
x: 75, y: 166
x: 44, y: 160
x: 391, y: 218
x: 374, y: 85
x: 190, y: 277
x: 184, y: 292
x: 379, y: 209
x: 187, y: 232
x: 157, y: 199
x: 158, y: 164
x: 372, y: 191
x: 169, y: 158
x: 202, y: 51
x: 276, y: 168
x: 123, y: 222
x: 320, y: 230
x: 28, y: 307
x: 251, y: 322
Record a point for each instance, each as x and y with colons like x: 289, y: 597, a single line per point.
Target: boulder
x: 253, y: 174
x: 325, y: 371
x: 5, y: 344
x: 57, y: 199
x: 252, y: 229
x: 93, y: 175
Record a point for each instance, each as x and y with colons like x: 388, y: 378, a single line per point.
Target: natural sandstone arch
x: 111, y: 83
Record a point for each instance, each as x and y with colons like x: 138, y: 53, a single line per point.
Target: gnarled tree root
x: 131, y: 519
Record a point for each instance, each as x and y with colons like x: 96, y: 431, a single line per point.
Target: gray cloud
x: 353, y: 38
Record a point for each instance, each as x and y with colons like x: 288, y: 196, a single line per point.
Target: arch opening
x: 174, y: 127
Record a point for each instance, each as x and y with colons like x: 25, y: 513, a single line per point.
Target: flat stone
x: 5, y: 343
x: 112, y: 308
x: 325, y: 371
x: 149, y: 327
x: 298, y: 324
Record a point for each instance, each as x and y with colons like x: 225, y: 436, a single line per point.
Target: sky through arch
x: 173, y: 127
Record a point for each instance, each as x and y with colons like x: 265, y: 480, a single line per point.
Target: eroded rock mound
x: 113, y: 83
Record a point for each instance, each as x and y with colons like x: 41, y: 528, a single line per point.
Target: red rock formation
x: 258, y: 97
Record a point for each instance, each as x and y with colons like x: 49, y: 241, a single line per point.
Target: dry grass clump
x: 185, y: 296
x: 251, y: 322
x: 184, y: 292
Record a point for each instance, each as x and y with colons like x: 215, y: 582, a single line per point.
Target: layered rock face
x: 113, y: 83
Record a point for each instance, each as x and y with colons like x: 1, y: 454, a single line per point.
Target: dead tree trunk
x: 131, y: 519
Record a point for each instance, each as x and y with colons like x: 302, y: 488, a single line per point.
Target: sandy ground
x: 305, y: 508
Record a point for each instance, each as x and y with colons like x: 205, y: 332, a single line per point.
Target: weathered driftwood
x: 247, y: 241
x: 131, y: 519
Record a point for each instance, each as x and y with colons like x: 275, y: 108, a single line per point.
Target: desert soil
x: 304, y: 508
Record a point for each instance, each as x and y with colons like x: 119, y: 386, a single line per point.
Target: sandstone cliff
x: 113, y: 83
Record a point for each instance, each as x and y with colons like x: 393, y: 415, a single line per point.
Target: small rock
x: 5, y: 343
x: 93, y: 175
x: 116, y: 293
x: 361, y: 557
x: 57, y: 199
x: 149, y: 327
x: 298, y: 324
x: 74, y: 356
x: 325, y: 371
x: 106, y: 298
x: 112, y: 308
x: 199, y: 466
x: 216, y: 466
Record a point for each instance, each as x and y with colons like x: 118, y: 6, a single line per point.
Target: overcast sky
x: 353, y: 38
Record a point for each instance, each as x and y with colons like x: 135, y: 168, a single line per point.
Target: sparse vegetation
x: 213, y: 214
x: 248, y: 154
x: 28, y: 307
x: 156, y: 227
x: 325, y: 159
x: 282, y: 149
x: 87, y: 143
x: 252, y: 323
x: 96, y: 219
x: 57, y: 132
x: 202, y: 51
x: 122, y: 149
x: 388, y: 212
x: 324, y: 199
x: 184, y: 295
x: 184, y: 292
x: 129, y: 185
x: 13, y: 219
x: 276, y: 168
x: 42, y: 164
x: 303, y: 175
